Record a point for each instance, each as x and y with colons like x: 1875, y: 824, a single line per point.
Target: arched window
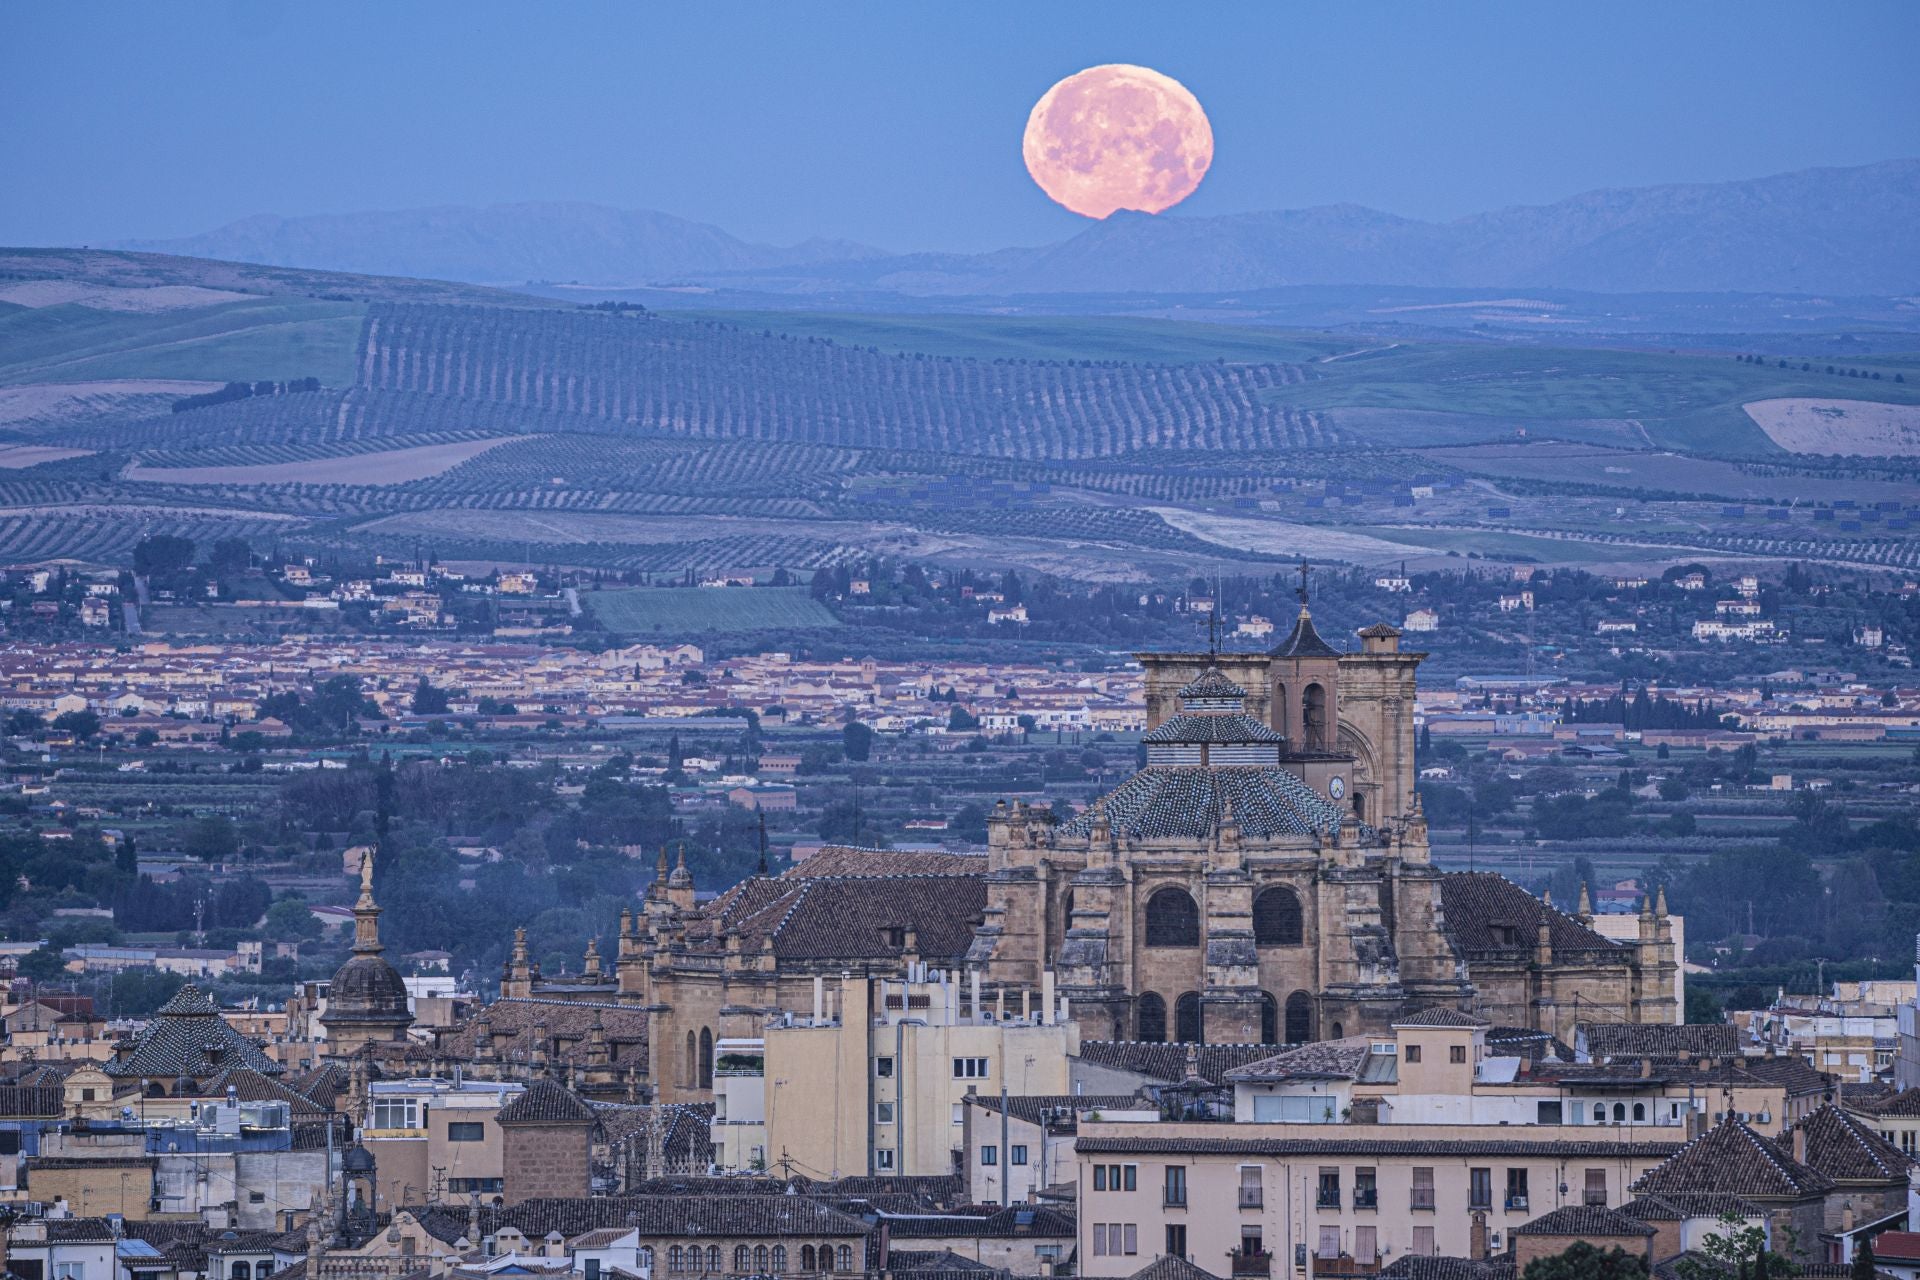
x: 1619, y: 1113
x: 1151, y: 1019
x: 742, y: 1258
x: 713, y: 1257
x: 240, y: 1271
x: 826, y: 1257
x: 1186, y: 1018
x: 1339, y: 1032
x: 646, y: 1256
x: 779, y: 1258
x: 706, y: 1058
x: 1281, y: 712
x: 806, y: 1257
x: 1299, y: 1018
x: 693, y: 1060
x: 1276, y: 918
x: 1639, y: 1111
x: 1173, y: 919
x: 1066, y: 912
x: 759, y: 1257
x: 1359, y: 806
x: 844, y: 1258
x: 1313, y: 718
x: 676, y: 1259
x: 1269, y: 1018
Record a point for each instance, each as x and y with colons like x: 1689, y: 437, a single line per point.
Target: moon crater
x: 1118, y: 137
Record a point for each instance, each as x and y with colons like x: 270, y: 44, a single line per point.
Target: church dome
x: 366, y: 985
x: 367, y: 998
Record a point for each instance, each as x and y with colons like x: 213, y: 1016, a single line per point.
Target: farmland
x: 258, y: 339
x: 1109, y: 448
x: 708, y: 611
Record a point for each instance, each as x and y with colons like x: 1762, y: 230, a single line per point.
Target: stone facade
x: 546, y: 1144
x: 1265, y: 878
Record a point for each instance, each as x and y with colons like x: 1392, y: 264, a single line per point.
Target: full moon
x: 1118, y: 137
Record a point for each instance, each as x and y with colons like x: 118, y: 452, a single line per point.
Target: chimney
x: 1800, y: 1144
x: 1646, y: 1068
x: 1477, y: 1249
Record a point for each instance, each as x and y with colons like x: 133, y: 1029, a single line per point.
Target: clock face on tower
x: 1337, y: 787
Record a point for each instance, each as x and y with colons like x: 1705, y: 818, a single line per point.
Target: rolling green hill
x: 274, y: 339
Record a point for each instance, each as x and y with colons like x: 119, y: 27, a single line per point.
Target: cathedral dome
x: 367, y: 986
x: 367, y: 999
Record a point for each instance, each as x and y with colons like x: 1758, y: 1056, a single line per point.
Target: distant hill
x: 1839, y: 231
x: 509, y: 243
x: 1817, y: 231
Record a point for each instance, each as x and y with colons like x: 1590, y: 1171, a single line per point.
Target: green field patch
x: 684, y: 611
x: 267, y: 339
x: 1681, y: 400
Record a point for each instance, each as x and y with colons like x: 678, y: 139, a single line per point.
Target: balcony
x: 1327, y: 1199
x: 1480, y: 1202
x: 1173, y: 1197
x: 1517, y: 1202
x: 1251, y: 1264
x: 1366, y: 1198
x: 1251, y: 1197
x: 1595, y: 1199
x: 1422, y: 1198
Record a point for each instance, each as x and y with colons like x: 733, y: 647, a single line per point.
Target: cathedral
x: 1265, y: 877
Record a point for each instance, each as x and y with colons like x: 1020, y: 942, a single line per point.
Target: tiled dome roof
x: 1187, y: 727
x: 1171, y: 801
x: 1212, y: 683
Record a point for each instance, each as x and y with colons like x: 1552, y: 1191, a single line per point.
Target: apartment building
x: 436, y: 1139
x: 1229, y: 1197
x: 875, y: 1078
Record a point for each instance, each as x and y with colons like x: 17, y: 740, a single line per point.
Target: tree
x: 290, y: 920
x: 430, y: 700
x: 856, y: 740
x: 229, y: 559
x: 211, y: 839
x: 959, y: 719
x: 162, y: 556
x: 138, y: 993
x: 1582, y: 1261
x: 1729, y: 1251
x: 81, y: 724
x: 1674, y: 789
x: 43, y: 965
x: 1863, y: 1263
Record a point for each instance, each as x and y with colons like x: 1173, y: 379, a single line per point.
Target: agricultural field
x: 384, y: 466
x: 1684, y: 401
x: 1042, y: 338
x: 702, y: 379
x: 271, y: 339
x: 1109, y: 448
x: 1664, y: 471
x: 708, y: 610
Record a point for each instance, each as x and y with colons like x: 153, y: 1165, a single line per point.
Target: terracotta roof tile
x: 1487, y: 912
x: 1586, y: 1221
x: 1732, y: 1158
x: 1846, y: 1150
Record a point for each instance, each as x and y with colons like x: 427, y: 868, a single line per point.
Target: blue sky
x: 899, y: 124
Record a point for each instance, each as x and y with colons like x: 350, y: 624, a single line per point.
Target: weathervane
x: 1302, y: 592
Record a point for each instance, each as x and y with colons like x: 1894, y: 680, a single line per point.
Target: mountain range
x: 1845, y: 231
